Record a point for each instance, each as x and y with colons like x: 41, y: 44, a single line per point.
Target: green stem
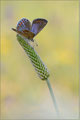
x: 53, y: 97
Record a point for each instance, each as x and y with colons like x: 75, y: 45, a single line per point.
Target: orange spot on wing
x: 20, y: 23
x: 23, y: 21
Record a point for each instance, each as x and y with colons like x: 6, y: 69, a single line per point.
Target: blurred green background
x: 23, y: 94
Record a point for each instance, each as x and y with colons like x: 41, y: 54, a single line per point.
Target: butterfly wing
x: 38, y: 25
x: 24, y: 24
x: 25, y: 33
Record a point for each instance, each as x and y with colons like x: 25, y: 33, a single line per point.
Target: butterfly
x: 28, y: 30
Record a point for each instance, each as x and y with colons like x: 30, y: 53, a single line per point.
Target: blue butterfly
x: 28, y: 30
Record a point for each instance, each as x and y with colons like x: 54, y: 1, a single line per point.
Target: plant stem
x: 53, y: 97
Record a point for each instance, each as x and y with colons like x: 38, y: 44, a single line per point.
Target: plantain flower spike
x: 36, y: 61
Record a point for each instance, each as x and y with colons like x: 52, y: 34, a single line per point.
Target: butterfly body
x: 29, y: 31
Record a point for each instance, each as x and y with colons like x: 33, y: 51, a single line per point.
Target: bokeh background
x: 23, y: 94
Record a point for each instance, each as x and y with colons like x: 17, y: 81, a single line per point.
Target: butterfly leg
x: 32, y: 40
x: 35, y: 43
